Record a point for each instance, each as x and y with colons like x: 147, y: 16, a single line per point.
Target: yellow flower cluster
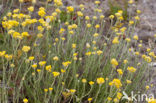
x: 65, y: 64
x: 116, y: 82
x: 25, y: 100
x: 80, y: 49
x: 115, y: 40
x: 152, y: 101
x: 114, y: 62
x: 100, y: 80
x: 70, y: 9
x: 26, y: 48
x: 55, y: 74
x: 41, y: 12
x: 58, y: 2
x: 131, y: 69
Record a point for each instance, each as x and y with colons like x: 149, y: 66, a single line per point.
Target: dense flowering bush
x: 47, y: 60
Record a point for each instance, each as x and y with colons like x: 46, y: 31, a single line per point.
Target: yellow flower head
x: 33, y: 1
x: 115, y: 100
x: 119, y: 95
x: 116, y: 82
x: 84, y: 80
x: 58, y: 2
x: 71, y: 32
x: 148, y: 49
x: 87, y: 17
x: 21, y: 1
x: 111, y: 16
x: 25, y: 34
x: 137, y: 18
x: 72, y: 90
x: 17, y: 35
x: 97, y: 26
x: 96, y: 35
x: 9, y: 14
x: 131, y: 1
x: 152, y: 54
x: 120, y: 71
x: 87, y: 45
x: 12, y: 65
x: 100, y: 80
x: 140, y: 45
x: 55, y: 58
x: 97, y: 2
x: 75, y: 54
x: 102, y: 16
x: 94, y: 17
x: 109, y: 98
x: 31, y: 8
x: 91, y: 82
x: 40, y: 28
x: 136, y: 53
x: 118, y: 14
x: 131, y: 22
x: 63, y: 38
x: 56, y: 39
x: 114, y: 62
x: 88, y: 25
x: 147, y: 87
x: 106, y: 78
x: 88, y: 53
x: 90, y: 99
x: 2, y: 53
x: 123, y: 29
x: 58, y: 10
x: 8, y: 57
x: 61, y: 31
x: 50, y: 89
x: 131, y: 69
x: 115, y: 40
x: 11, y: 32
x: 75, y: 58
x: 152, y: 101
x: 99, y: 52
x: 94, y: 42
x: 138, y: 11
x: 41, y: 12
x: 74, y: 26
x: 148, y: 59
x: 25, y: 100
x: 48, y: 68
x: 31, y: 58
x: 45, y: 90
x: 81, y: 6
x: 125, y: 61
x: 39, y: 35
x: 42, y: 63
x: 63, y: 71
x: 26, y: 48
x: 79, y: 13
x: 128, y: 81
x: 70, y: 9
x: 38, y: 70
x: 73, y: 46
x: 55, y: 74
x: 135, y: 37
x: 65, y: 64
x: 34, y: 66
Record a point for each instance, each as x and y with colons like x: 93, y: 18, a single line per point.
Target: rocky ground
x: 147, y: 27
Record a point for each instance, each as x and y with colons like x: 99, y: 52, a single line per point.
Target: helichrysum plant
x: 46, y: 60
